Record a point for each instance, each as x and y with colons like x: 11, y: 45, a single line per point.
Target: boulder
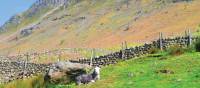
x: 65, y: 72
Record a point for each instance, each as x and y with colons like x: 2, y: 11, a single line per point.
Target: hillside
x: 97, y: 24
x: 102, y: 33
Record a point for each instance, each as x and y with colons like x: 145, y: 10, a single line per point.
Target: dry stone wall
x: 136, y: 51
x: 11, y: 70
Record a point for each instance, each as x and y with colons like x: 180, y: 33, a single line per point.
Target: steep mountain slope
x: 98, y: 23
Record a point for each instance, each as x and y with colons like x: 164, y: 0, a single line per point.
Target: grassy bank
x: 153, y: 71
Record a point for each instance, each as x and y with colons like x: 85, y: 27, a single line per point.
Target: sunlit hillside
x: 102, y: 44
x: 102, y: 24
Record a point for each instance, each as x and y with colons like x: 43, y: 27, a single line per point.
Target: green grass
x: 197, y: 32
x: 34, y: 82
x: 185, y: 67
x: 142, y: 73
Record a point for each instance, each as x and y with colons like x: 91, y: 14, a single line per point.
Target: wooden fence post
x: 126, y: 46
x: 64, y: 6
x: 189, y: 38
x: 92, y: 56
x: 122, y: 51
x: 122, y: 46
x: 18, y: 56
x: 39, y: 57
x: 186, y: 33
x: 59, y: 55
x: 25, y: 64
x: 161, y: 41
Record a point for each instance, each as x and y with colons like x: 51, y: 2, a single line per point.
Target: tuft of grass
x: 154, y: 50
x: 34, y: 82
x: 179, y: 50
x: 176, y: 50
x: 61, y: 42
x: 197, y: 45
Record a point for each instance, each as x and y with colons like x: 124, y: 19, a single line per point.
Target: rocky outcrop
x: 65, y: 72
x: 14, y: 21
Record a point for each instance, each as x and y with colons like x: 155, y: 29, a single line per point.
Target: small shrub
x: 176, y: 50
x: 197, y: 45
x: 61, y: 42
x: 190, y: 48
x: 163, y: 58
x: 154, y: 50
x: 38, y: 82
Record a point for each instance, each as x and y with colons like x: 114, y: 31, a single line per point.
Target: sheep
x: 87, y: 78
x: 97, y: 70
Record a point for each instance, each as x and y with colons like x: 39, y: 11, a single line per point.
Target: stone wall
x: 34, y: 55
x: 11, y: 70
x: 136, y: 51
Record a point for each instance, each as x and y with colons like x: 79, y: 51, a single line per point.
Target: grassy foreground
x: 148, y: 72
x: 152, y: 71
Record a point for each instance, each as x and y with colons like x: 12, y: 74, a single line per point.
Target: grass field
x: 184, y: 72
x: 152, y: 71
